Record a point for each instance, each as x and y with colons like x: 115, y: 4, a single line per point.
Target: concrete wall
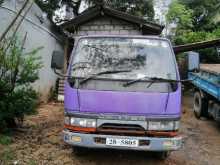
x: 106, y: 25
x: 38, y: 34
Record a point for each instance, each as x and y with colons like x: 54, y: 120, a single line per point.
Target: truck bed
x: 207, y: 79
x: 212, y: 68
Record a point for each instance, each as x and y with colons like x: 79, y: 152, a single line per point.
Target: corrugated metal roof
x: 196, y: 46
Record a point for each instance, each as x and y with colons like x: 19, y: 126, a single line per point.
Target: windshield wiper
x: 101, y: 73
x: 152, y: 80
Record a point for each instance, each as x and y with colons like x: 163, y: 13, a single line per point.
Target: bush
x: 5, y: 140
x: 17, y: 71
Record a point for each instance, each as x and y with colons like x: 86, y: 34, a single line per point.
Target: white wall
x: 38, y: 34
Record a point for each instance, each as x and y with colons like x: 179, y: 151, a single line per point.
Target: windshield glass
x: 144, y: 57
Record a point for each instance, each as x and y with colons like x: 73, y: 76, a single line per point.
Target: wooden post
x: 66, y: 47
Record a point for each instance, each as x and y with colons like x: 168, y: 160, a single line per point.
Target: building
x: 100, y: 20
x: 40, y: 33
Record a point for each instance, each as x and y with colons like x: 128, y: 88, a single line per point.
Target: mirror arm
x: 195, y: 70
x: 60, y: 74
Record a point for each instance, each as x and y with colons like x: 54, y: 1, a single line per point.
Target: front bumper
x: 155, y: 144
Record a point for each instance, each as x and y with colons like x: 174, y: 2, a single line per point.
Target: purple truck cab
x: 118, y: 94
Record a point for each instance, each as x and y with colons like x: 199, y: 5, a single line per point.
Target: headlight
x: 177, y: 125
x: 83, y: 122
x: 163, y: 125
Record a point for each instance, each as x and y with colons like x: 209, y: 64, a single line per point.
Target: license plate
x: 122, y: 142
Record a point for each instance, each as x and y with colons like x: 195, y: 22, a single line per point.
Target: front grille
x: 121, y: 129
x: 132, y: 127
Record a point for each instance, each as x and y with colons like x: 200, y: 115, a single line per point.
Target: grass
x: 32, y: 162
x: 5, y: 140
x: 7, y: 156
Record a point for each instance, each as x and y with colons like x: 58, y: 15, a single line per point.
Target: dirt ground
x: 40, y: 142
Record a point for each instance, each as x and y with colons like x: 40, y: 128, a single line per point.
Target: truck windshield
x: 144, y: 57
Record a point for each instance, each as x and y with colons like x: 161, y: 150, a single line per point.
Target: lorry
x: 122, y: 92
x: 206, y: 81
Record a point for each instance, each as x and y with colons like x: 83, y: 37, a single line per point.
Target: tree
x: 143, y: 8
x: 203, y: 13
x: 17, y: 71
x: 181, y: 16
x: 194, y: 15
x: 194, y: 23
x: 48, y: 6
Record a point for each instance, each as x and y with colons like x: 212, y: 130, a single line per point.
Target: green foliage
x: 191, y: 36
x: 204, y: 12
x: 194, y: 24
x: 17, y: 71
x: 7, y: 156
x: 180, y: 15
x: 192, y: 16
x: 5, y: 140
x: 143, y: 8
x: 140, y: 8
x: 32, y: 162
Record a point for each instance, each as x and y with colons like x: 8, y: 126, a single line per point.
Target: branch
x: 13, y: 81
x: 13, y: 21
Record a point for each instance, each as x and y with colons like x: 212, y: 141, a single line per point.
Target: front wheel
x: 200, y: 106
x: 163, y: 155
x: 79, y: 151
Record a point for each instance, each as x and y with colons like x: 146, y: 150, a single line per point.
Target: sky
x: 161, y: 7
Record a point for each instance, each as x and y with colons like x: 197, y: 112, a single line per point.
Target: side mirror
x: 57, y: 61
x: 193, y: 61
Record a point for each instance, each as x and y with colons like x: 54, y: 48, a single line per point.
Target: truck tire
x: 163, y: 155
x: 200, y: 105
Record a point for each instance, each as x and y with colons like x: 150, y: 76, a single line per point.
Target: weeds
x: 32, y: 162
x: 5, y: 140
x: 7, y: 156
